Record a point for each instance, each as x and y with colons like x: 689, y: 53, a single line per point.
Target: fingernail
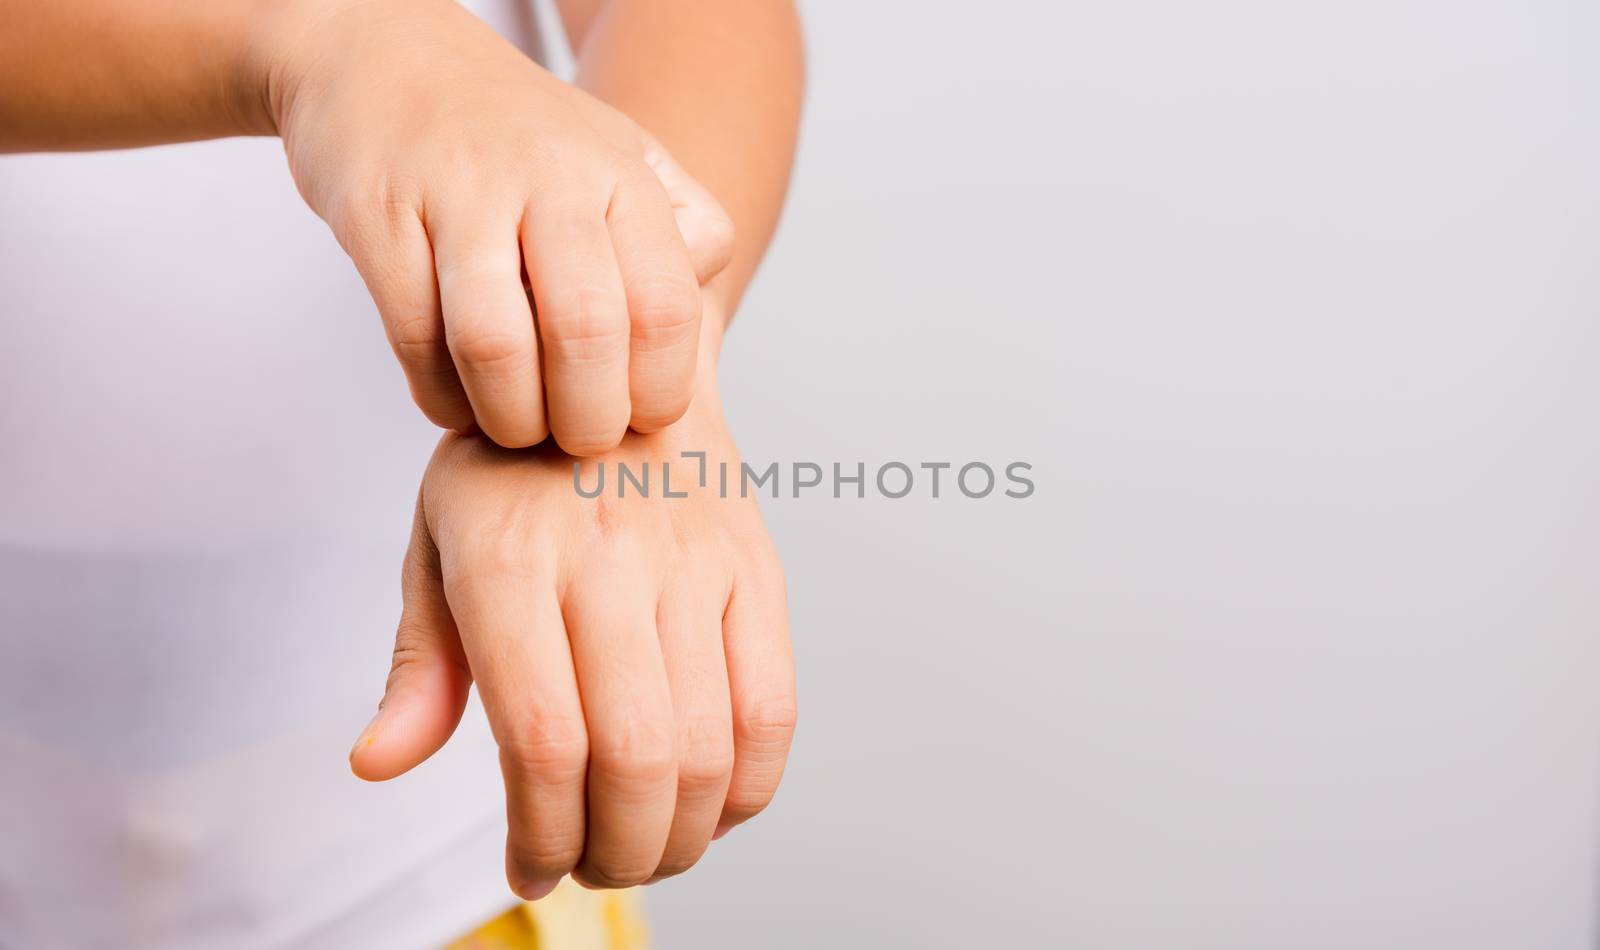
x: 367, y: 735
x: 534, y: 890
x: 723, y: 827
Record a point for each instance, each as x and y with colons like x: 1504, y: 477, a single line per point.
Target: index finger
x: 516, y: 645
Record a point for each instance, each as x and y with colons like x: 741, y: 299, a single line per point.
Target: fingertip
x: 374, y: 761
x: 660, y: 394
x: 534, y: 890
x: 589, y: 445
x: 646, y: 422
x: 370, y: 760
x: 447, y: 413
x: 405, y: 733
x: 517, y: 437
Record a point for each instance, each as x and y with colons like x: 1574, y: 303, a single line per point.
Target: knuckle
x: 634, y: 749
x: 553, y: 746
x: 768, y: 724
x: 706, y: 759
x: 411, y: 654
x: 664, y: 308
x: 417, y: 339
x: 498, y: 548
x: 369, y: 213
x: 590, y: 326
x: 491, y: 350
x: 390, y: 195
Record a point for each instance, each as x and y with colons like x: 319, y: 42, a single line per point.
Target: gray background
x: 1294, y: 309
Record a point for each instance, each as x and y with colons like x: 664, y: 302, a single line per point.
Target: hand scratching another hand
x: 452, y: 168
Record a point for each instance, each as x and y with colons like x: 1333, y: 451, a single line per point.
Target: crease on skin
x: 727, y: 594
x: 565, y: 607
x: 602, y: 513
x: 661, y: 600
x: 727, y: 604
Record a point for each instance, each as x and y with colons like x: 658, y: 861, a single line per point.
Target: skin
x: 447, y: 164
x: 632, y: 653
x: 623, y: 753
x: 739, y: 63
x: 720, y: 83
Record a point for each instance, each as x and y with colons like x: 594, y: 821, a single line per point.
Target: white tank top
x: 208, y: 460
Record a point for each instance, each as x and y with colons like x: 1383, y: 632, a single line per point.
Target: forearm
x: 83, y: 74
x: 719, y: 82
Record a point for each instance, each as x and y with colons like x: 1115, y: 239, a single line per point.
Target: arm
x: 85, y: 74
x: 719, y: 83
x: 458, y: 175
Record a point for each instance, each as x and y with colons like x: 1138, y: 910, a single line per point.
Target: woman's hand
x: 632, y: 653
x: 453, y: 169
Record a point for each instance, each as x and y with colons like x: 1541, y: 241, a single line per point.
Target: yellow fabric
x: 569, y: 918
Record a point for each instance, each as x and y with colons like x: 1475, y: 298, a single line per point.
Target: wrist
x: 281, y: 45
x: 293, y: 41
x: 262, y: 36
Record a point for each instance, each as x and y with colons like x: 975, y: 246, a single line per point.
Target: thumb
x: 428, y: 679
x: 706, y: 228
